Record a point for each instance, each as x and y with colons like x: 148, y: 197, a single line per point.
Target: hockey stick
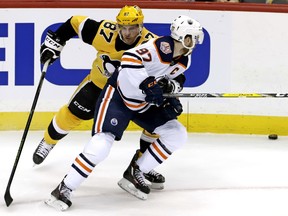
x: 7, y: 196
x: 227, y: 95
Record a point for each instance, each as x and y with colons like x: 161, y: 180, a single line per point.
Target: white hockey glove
x: 170, y: 86
x: 51, y: 48
x: 175, y: 86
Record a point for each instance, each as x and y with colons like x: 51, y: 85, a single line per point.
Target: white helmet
x: 183, y: 26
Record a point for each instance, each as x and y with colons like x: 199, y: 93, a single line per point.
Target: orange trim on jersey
x: 131, y: 60
x: 132, y: 106
x: 83, y: 165
x: 103, y: 108
x: 135, y: 106
x: 181, y: 65
x: 159, y: 151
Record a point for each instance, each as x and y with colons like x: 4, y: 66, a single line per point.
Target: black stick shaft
x: 8, y: 198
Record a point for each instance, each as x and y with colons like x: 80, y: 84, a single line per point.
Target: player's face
x: 129, y: 33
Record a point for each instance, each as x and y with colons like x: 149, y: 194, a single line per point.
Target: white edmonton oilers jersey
x: 153, y: 58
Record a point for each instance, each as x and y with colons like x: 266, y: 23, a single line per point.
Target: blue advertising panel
x: 196, y: 75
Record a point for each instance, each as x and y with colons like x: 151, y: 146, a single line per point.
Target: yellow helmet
x: 130, y: 15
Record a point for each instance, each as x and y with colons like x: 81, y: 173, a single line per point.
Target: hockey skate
x: 60, y: 197
x: 41, y: 152
x: 133, y: 181
x: 155, y: 180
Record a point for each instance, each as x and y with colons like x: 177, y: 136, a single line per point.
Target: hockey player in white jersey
x: 132, y: 93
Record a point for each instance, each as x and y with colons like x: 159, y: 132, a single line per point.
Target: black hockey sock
x: 144, y: 145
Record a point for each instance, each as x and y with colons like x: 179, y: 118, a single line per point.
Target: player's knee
x: 99, y: 147
x: 82, y: 104
x: 65, y: 120
x: 173, y: 134
x: 81, y: 111
x: 181, y: 134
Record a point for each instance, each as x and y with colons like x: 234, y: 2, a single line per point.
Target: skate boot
x: 133, y: 181
x: 60, y: 197
x: 41, y: 152
x: 156, y: 179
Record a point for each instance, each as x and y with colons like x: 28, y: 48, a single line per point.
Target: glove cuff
x: 175, y: 86
x: 53, y: 42
x: 149, y: 82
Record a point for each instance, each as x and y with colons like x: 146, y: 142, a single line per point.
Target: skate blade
x: 57, y: 204
x: 156, y: 186
x: 130, y: 188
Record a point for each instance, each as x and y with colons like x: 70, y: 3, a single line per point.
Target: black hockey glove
x: 51, y: 47
x: 154, y: 93
x: 172, y: 107
x: 169, y: 86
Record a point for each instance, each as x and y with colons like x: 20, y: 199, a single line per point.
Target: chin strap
x: 189, y: 52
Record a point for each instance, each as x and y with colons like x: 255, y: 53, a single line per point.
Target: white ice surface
x: 225, y: 175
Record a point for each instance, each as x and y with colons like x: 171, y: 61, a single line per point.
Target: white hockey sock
x: 80, y: 170
x: 153, y: 156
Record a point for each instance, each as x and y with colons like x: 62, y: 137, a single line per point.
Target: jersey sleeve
x: 82, y: 26
x: 132, y: 64
x: 89, y: 30
x: 66, y: 31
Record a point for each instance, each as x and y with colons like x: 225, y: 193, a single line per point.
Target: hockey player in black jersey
x: 110, y: 39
